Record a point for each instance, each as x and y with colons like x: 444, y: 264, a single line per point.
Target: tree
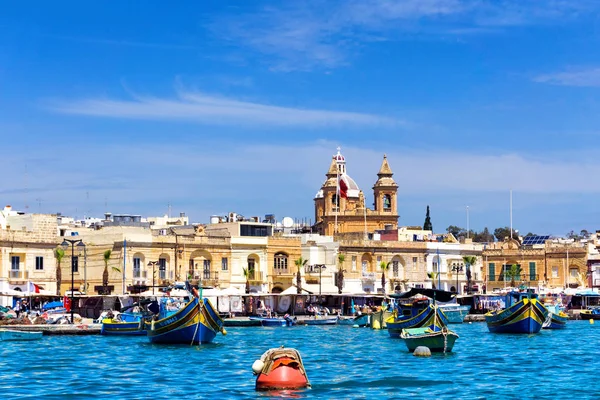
x: 106, y: 256
x: 246, y: 272
x: 59, y: 254
x: 484, y: 236
x: 339, y: 281
x: 469, y: 260
x: 513, y: 273
x: 501, y: 233
x: 384, y: 265
x: 299, y: 263
x: 455, y: 230
x: 433, y: 276
x: 427, y: 225
x: 584, y: 234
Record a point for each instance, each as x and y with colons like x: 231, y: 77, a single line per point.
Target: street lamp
x: 321, y: 267
x: 456, y: 268
x: 153, y: 265
x: 65, y: 246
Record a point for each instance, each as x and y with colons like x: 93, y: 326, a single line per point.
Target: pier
x: 66, y: 329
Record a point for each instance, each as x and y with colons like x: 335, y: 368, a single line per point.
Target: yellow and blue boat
x: 556, y: 319
x: 523, y: 313
x: 420, y: 313
x: 191, y: 322
x: 127, y: 323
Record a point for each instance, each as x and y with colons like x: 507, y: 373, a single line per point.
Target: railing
x: 368, y: 276
x: 517, y: 278
x: 255, y: 276
x: 18, y: 274
x: 282, y: 271
x: 315, y: 269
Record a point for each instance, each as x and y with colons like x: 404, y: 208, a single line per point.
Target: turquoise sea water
x: 341, y: 362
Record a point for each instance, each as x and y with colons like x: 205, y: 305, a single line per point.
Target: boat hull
x: 525, y: 316
x: 457, y: 314
x: 425, y: 318
x: 7, y: 335
x: 321, y: 321
x: 123, y: 328
x: 361, y: 320
x: 438, y: 342
x: 274, y: 322
x: 193, y: 324
x: 241, y: 322
x: 587, y: 315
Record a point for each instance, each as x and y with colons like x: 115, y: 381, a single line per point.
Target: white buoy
x: 257, y: 366
x: 422, y: 351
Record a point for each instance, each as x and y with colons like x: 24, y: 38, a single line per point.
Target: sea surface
x: 342, y: 362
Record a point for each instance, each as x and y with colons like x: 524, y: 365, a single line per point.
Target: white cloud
x: 202, y: 108
x: 581, y: 77
x: 310, y: 34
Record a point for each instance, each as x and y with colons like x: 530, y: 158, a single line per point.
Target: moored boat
x: 360, y: 320
x: 437, y: 339
x: 241, y: 322
x: 190, y: 322
x: 14, y: 335
x: 276, y: 321
x: 591, y: 313
x: 321, y: 321
x: 522, y: 313
x: 455, y: 312
x: 127, y: 323
x: 419, y: 313
x: 280, y: 369
x: 556, y: 319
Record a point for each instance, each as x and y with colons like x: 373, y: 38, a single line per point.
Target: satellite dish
x: 287, y: 222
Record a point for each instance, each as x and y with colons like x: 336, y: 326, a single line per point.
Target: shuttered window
x: 492, y: 272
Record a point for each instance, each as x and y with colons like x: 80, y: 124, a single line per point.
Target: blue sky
x: 221, y: 106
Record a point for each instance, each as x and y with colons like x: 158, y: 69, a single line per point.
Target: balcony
x: 18, y: 275
x: 315, y: 269
x: 368, y: 276
x: 508, y: 278
x: 255, y: 277
x: 209, y: 278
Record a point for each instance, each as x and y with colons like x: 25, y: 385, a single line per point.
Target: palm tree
x: 514, y: 272
x: 384, y: 265
x: 433, y: 276
x: 469, y: 260
x: 59, y: 254
x: 247, y: 276
x: 299, y: 263
x: 340, y: 275
x: 106, y: 256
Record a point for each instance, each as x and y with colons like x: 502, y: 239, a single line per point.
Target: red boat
x: 280, y: 369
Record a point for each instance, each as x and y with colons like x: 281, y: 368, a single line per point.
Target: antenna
x: 169, y: 204
x: 26, y: 188
x: 511, y: 213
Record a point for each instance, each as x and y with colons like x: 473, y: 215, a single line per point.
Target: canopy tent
x: 439, y: 295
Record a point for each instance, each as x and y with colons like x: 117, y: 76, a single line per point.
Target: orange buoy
x: 280, y: 369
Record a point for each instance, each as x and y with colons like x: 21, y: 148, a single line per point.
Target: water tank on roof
x: 214, y: 219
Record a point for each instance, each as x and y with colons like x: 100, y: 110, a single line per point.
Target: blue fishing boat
x: 522, y: 313
x: 190, y: 322
x: 127, y: 323
x: 455, y: 312
x: 556, y: 319
x: 420, y: 313
x: 360, y: 320
x: 321, y: 321
x: 277, y: 321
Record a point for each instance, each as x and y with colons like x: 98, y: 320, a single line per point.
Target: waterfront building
x: 546, y: 265
x: 446, y: 268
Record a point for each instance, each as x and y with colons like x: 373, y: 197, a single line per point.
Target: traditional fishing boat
x: 454, y: 312
x: 286, y: 320
x: 522, y: 313
x: 185, y: 321
x: 321, y: 321
x: 132, y: 321
x: 241, y: 322
x: 14, y: 335
x: 590, y: 313
x: 420, y: 313
x: 360, y: 320
x: 437, y: 339
x: 280, y: 369
x: 556, y: 319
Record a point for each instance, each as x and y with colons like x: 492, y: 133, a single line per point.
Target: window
x: 378, y: 260
x: 75, y: 264
x: 254, y: 230
x: 162, y: 268
x: 415, y: 259
x: 387, y: 202
x: 364, y: 266
x: 353, y: 263
x: 574, y: 274
x: 532, y: 272
x: 281, y: 262
x: 492, y: 272
x: 39, y: 263
x: 335, y: 202
x: 206, y: 269
x: 137, y: 262
x: 395, y: 268
x: 15, y: 262
x: 554, y: 272
x: 251, y: 268
x: 224, y: 266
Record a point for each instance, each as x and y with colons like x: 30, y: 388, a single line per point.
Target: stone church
x: 340, y: 205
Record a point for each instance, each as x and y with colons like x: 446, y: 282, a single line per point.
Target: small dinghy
x: 10, y: 335
x: 280, y: 369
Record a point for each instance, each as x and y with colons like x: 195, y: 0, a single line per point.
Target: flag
x: 67, y: 303
x: 343, y: 187
x: 32, y: 287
